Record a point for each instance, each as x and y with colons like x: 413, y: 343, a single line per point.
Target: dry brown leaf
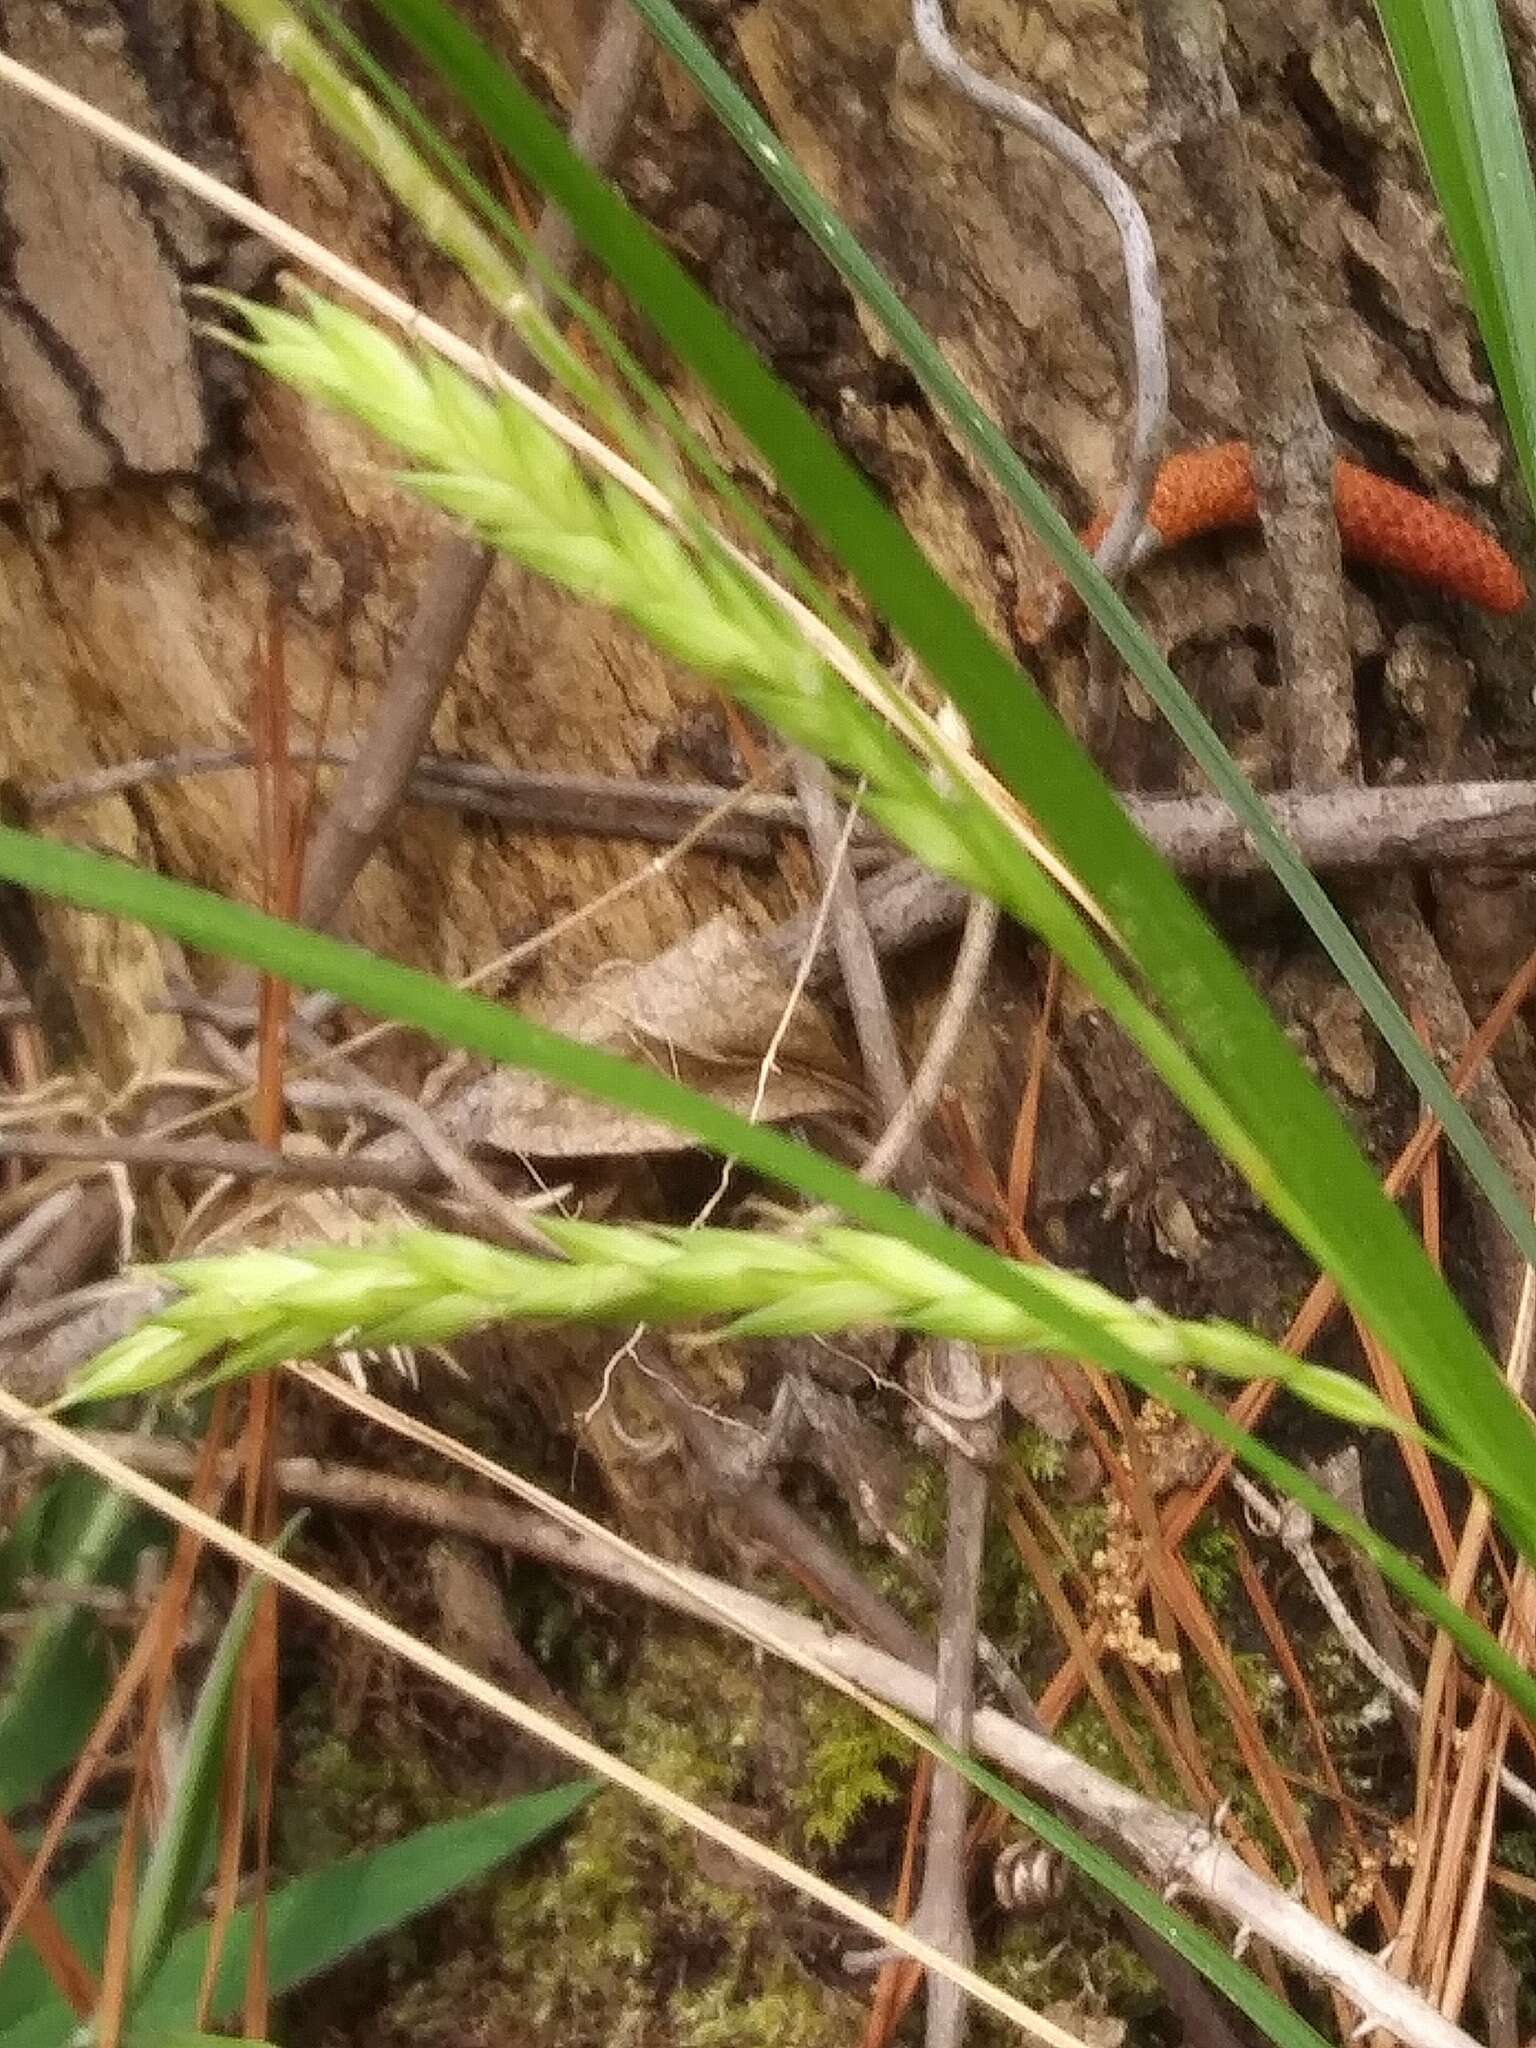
x: 705, y: 1011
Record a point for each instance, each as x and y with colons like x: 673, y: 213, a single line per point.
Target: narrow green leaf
x: 59, y: 1677
x: 29, y: 2004
x: 48, y: 2024
x: 1332, y: 1198
x: 312, y: 960
x: 183, y: 1848
x: 1454, y: 69
x: 316, y: 1920
x: 20, y: 1545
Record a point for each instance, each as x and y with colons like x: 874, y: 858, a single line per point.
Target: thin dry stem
x: 435, y: 635
x: 353, y: 1614
x: 1168, y: 1844
x: 923, y: 733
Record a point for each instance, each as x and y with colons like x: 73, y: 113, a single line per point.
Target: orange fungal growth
x: 1207, y: 489
x: 1381, y: 523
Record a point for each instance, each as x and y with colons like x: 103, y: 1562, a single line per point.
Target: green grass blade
x: 311, y: 960
x: 48, y: 2024
x: 22, y: 1542
x: 59, y: 1678
x: 28, y: 1998
x: 1454, y: 69
x: 316, y: 1920
x: 183, y: 1848
x: 1356, y: 1232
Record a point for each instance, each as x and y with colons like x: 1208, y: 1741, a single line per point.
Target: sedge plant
x: 78, y: 1534
x: 1161, y: 972
x: 1218, y: 1047
x: 1119, y: 921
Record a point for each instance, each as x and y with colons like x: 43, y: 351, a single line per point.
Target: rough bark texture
x: 159, y: 495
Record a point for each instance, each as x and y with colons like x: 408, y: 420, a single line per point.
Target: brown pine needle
x: 887, y: 2005
x: 66, y: 1968
x: 1021, y: 1164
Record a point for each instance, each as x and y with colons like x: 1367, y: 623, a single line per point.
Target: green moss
x: 1031, y: 1961
x: 853, y: 1762
x: 923, y: 1511
x: 1352, y: 1710
x: 637, y: 1927
x: 1038, y: 1456
x: 689, y: 1715
x: 1012, y: 1610
x: 579, y: 1933
x: 343, y: 1795
x: 790, y: 2010
x: 1211, y: 1554
x: 1083, y: 1524
x: 1086, y: 1733
x: 1042, y: 1957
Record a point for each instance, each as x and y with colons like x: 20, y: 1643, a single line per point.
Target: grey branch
x: 237, y: 1159
x: 1167, y: 1844
x: 1293, y: 451
x: 1350, y: 830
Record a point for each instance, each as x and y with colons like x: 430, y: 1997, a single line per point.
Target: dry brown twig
x: 1432, y: 824
x: 1167, y: 1844
x: 1293, y: 451
x: 370, y: 791
x: 965, y: 1393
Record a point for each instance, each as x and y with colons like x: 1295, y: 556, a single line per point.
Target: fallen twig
x: 213, y: 1155
x: 1431, y: 824
x: 371, y: 789
x: 1170, y: 1845
x: 1293, y: 451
